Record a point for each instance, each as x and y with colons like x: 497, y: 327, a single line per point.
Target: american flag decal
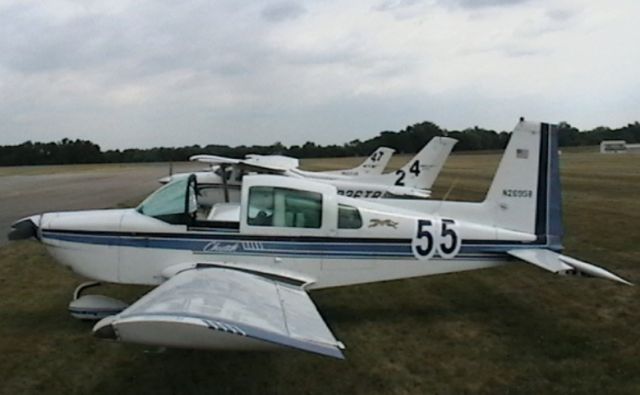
x: 522, y: 153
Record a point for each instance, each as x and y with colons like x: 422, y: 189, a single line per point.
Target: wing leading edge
x: 251, y: 164
x: 218, y: 308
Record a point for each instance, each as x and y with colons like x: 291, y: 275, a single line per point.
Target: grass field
x: 512, y: 330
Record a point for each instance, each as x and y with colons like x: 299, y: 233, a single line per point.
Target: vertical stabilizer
x: 423, y: 169
x: 373, y: 165
x: 525, y: 193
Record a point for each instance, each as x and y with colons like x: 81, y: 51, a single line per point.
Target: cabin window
x: 349, y: 217
x: 239, y: 174
x: 284, y: 207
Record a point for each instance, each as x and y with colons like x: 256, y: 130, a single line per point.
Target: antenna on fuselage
x: 446, y: 195
x: 453, y: 185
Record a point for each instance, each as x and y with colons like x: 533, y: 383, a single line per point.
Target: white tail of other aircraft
x: 372, y: 166
x: 423, y: 169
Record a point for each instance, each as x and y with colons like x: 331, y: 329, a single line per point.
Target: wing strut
x: 225, y: 186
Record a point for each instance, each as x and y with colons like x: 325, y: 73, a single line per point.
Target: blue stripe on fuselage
x: 239, y: 245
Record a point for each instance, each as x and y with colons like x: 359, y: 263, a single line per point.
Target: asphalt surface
x: 74, y: 189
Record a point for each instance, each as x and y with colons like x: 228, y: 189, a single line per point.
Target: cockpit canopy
x: 175, y: 202
x: 269, y: 203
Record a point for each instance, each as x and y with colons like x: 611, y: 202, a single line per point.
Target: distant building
x: 633, y: 148
x: 617, y: 147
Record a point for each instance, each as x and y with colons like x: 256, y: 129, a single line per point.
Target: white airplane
x: 365, y: 181
x: 373, y: 165
x: 239, y: 276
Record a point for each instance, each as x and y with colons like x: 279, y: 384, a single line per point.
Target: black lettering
x: 415, y: 168
x: 401, y: 174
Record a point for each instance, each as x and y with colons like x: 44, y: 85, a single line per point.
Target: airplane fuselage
x: 125, y: 246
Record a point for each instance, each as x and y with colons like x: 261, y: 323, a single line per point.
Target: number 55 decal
x: 435, y: 236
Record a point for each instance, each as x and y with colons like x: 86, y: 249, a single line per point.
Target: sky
x: 144, y: 73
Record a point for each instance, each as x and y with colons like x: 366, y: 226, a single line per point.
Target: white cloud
x: 144, y: 73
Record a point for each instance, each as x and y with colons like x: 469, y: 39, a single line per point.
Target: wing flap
x: 223, y: 309
x: 562, y: 264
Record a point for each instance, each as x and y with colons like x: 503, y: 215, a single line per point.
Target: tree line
x: 408, y: 140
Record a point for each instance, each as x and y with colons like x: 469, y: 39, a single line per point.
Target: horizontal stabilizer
x: 223, y: 309
x: 409, y: 192
x: 562, y: 264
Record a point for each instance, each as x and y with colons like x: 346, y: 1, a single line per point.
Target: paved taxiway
x: 74, y: 189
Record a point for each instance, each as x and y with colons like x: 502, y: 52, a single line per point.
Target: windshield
x: 170, y: 203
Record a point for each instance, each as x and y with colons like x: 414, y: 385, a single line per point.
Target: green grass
x: 511, y: 330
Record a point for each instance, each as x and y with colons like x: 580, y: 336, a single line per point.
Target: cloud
x: 144, y: 73
x: 280, y: 12
x: 562, y: 14
x: 482, y: 3
x: 391, y: 5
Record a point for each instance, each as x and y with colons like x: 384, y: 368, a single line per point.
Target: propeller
x: 23, y: 230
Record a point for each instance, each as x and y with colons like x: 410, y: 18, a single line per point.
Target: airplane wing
x: 216, y: 308
x: 562, y: 264
x: 281, y: 161
x: 214, y: 160
x: 250, y: 164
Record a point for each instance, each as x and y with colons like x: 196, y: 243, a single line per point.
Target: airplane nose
x: 22, y: 230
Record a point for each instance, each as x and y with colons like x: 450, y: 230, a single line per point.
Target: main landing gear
x: 93, y: 307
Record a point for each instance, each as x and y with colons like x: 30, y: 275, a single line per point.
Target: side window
x: 260, y: 211
x: 284, y: 207
x: 239, y: 174
x: 302, y: 209
x: 349, y: 217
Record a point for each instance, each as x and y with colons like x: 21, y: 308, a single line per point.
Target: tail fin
x: 421, y: 171
x: 525, y: 193
x: 372, y: 166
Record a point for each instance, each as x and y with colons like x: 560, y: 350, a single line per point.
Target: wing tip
x: 104, y: 329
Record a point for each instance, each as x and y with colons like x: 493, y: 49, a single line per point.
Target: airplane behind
x: 372, y: 166
x: 414, y: 179
x: 237, y: 275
